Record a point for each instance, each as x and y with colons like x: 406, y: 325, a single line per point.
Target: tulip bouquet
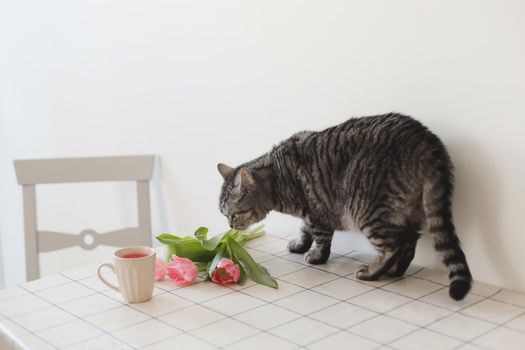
x: 221, y: 259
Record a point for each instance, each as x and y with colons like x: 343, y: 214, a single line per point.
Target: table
x: 315, y: 307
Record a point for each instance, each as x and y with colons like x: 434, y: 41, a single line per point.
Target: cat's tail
x: 437, y: 198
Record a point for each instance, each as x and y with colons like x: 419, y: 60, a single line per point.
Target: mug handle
x: 105, y: 281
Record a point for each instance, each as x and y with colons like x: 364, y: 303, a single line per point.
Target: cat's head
x: 243, y: 199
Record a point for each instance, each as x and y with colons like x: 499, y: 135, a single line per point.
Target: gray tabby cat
x: 386, y: 175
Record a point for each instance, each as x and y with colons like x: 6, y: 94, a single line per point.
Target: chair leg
x: 30, y: 229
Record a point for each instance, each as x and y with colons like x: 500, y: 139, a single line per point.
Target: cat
x: 387, y: 176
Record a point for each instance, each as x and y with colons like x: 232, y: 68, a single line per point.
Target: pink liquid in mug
x: 134, y: 255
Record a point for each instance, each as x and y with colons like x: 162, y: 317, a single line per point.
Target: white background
x: 198, y: 82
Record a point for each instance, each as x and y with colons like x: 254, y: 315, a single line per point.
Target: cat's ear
x: 246, y: 178
x: 224, y: 170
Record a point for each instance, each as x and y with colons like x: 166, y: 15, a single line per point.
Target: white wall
x: 198, y: 82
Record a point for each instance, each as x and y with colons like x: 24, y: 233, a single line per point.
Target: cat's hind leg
x: 387, y: 242
x: 381, y: 264
x: 406, y: 255
x: 303, y: 243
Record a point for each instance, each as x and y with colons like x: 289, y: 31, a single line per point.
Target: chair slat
x: 60, y: 170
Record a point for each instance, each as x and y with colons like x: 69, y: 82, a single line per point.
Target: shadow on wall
x: 1, y: 265
x: 160, y: 206
x: 477, y: 208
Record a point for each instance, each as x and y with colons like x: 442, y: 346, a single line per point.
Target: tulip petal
x: 182, y: 271
x: 226, y: 272
x: 160, y: 270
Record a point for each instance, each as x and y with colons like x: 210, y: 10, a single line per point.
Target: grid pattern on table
x: 315, y: 307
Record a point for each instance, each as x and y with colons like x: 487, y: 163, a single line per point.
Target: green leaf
x: 170, y: 252
x: 244, y: 275
x: 187, y: 247
x: 209, y: 244
x: 167, y: 238
x: 202, y: 266
x: 201, y: 233
x: 256, y: 232
x: 256, y: 272
x: 242, y: 236
x: 220, y: 254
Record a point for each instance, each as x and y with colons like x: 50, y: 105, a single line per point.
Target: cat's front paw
x: 298, y: 246
x: 316, y: 257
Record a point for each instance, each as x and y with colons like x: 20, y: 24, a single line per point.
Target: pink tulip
x: 182, y: 271
x: 226, y: 272
x: 160, y: 270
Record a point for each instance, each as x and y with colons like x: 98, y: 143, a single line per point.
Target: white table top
x: 318, y: 307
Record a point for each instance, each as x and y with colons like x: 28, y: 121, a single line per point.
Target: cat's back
x: 378, y: 125
x: 392, y: 133
x: 370, y: 138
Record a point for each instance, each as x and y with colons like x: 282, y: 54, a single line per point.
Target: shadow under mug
x: 135, y: 270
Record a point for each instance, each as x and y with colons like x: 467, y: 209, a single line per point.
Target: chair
x: 34, y: 172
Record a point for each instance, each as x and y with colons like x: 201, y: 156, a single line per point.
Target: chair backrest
x: 31, y: 172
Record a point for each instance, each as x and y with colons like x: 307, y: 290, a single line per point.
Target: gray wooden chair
x: 34, y: 172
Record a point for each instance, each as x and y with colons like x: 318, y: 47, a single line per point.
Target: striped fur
x: 387, y: 176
